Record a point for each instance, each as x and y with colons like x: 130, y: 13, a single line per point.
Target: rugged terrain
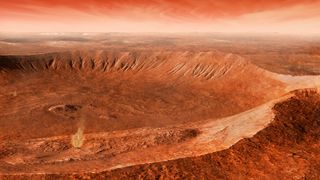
x: 169, y: 111
x: 288, y: 148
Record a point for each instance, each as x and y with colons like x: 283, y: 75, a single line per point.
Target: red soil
x: 130, y: 94
x: 287, y: 149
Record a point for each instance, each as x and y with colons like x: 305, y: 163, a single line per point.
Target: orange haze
x: 286, y: 16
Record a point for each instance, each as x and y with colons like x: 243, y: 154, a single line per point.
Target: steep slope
x: 206, y: 65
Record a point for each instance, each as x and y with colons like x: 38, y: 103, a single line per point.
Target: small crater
x: 65, y: 108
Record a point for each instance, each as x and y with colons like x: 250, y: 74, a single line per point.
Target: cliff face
x: 207, y: 65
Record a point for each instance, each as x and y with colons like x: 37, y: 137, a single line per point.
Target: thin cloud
x: 156, y: 15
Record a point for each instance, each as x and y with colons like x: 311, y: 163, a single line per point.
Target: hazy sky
x: 284, y: 16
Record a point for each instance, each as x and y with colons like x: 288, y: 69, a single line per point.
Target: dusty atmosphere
x: 152, y: 106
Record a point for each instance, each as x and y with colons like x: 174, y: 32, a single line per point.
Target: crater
x: 141, y: 88
x: 64, y: 108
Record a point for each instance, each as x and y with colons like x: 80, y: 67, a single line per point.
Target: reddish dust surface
x: 287, y: 149
x: 153, y: 106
